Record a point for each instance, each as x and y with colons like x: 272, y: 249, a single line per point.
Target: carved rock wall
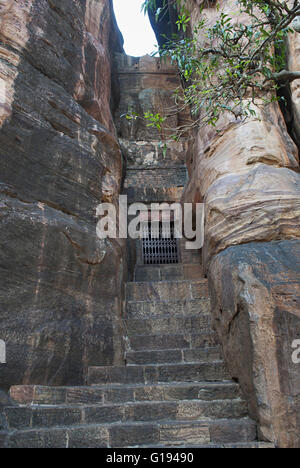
x: 248, y: 176
x: 60, y: 287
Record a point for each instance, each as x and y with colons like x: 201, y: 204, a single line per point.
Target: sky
x: 135, y: 26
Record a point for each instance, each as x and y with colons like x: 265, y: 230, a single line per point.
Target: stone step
x: 160, y: 342
x: 153, y: 194
x: 168, y: 325
x: 169, y: 356
x: 25, y: 417
x: 151, y: 309
x: 241, y: 445
x: 152, y: 434
x: 40, y: 395
x: 146, y: 273
x: 167, y: 291
x: 187, y: 372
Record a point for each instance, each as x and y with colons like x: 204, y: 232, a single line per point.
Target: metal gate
x: 159, y: 244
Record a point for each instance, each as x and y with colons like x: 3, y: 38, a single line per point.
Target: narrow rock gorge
x: 80, y: 315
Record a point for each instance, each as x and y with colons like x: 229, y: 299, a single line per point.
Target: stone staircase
x: 174, y: 390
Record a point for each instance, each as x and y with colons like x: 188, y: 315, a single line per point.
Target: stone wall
x: 147, y: 84
x: 153, y: 174
x: 248, y: 176
x: 60, y: 287
x: 155, y: 164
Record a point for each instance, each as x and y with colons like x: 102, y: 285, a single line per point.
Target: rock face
x: 164, y: 24
x: 256, y: 307
x: 60, y: 287
x: 248, y: 176
x: 294, y: 65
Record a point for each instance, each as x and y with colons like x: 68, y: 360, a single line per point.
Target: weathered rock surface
x: 256, y: 309
x: 248, y: 176
x: 60, y: 287
x: 245, y: 172
x: 294, y: 65
x: 164, y: 24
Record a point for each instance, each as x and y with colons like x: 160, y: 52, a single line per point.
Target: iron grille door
x: 159, y: 244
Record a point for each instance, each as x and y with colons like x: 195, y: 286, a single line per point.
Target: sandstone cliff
x: 248, y: 176
x: 60, y: 287
x: 294, y: 65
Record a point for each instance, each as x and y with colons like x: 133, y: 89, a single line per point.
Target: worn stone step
x: 151, y: 309
x: 173, y: 356
x: 41, y: 395
x: 160, y: 342
x: 146, y: 273
x: 241, y: 445
x: 187, y: 372
x: 164, y: 434
x: 168, y: 325
x: 244, y: 445
x: 87, y: 436
x: 167, y: 291
x: 187, y: 391
x: 24, y: 417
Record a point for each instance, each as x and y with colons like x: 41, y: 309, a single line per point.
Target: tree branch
x: 286, y: 75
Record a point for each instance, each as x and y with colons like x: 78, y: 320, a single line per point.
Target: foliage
x: 151, y: 119
x: 232, y: 65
